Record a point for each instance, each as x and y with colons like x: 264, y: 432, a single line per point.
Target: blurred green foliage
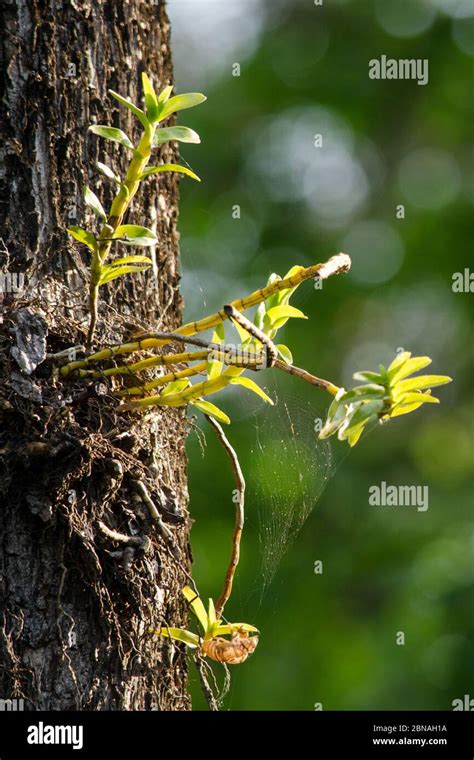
x: 330, y: 638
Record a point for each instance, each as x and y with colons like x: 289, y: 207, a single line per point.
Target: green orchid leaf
x: 244, y: 336
x: 107, y: 172
x: 259, y: 316
x: 181, y: 134
x: 181, y: 102
x: 371, y: 377
x: 363, y: 393
x: 214, y: 366
x: 408, y: 368
x: 196, y: 606
x: 400, y: 409
x: 141, y: 116
x: 354, y: 435
x: 175, y: 387
x: 246, y: 382
x: 398, y: 362
x: 245, y: 627
x: 151, y: 100
x: 418, y: 398
x: 230, y: 628
x: 134, y: 234
x: 170, y: 168
x: 330, y: 427
x: 94, y: 203
x: 131, y: 260
x: 83, y: 236
x: 335, y: 417
x: 212, y: 410
x: 285, y: 295
x: 111, y: 133
x: 164, y: 94
x: 277, y: 316
x: 223, y: 630
x: 274, y: 299
x: 363, y: 414
x: 110, y: 273
x: 212, y: 613
x: 179, y: 634
x: 420, y: 382
x: 285, y: 353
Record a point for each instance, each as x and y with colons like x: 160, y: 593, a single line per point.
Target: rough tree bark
x: 75, y: 605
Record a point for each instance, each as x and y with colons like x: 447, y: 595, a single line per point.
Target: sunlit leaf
x: 164, y: 94
x: 420, y: 382
x: 214, y: 366
x: 107, y: 172
x: 278, y: 315
x: 416, y: 398
x: 170, y: 168
x: 111, y: 133
x: 259, y: 316
x: 141, y: 116
x: 181, y: 134
x: 371, y: 377
x: 274, y: 299
x: 246, y: 382
x: 244, y: 336
x: 362, y: 415
x: 285, y: 295
x: 110, y: 273
x: 212, y: 410
x: 363, y: 392
x: 230, y: 628
x: 151, y: 100
x: 398, y: 410
x: 134, y: 234
x: 180, y: 102
x: 196, y: 606
x: 408, y: 368
x: 131, y: 260
x: 212, y: 612
x: 83, y: 236
x: 175, y: 387
x: 354, y: 435
x: 399, y: 360
x: 285, y: 353
x: 179, y: 634
x: 94, y: 203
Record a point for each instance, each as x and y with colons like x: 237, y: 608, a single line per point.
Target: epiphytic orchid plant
x: 212, y: 643
x: 157, y: 109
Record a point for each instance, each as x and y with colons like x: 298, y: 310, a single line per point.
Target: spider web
x: 290, y: 470
x: 289, y: 465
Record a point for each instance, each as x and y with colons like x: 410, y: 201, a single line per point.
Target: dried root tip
x: 122, y: 538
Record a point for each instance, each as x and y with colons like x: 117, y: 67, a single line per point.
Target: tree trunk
x: 76, y: 604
